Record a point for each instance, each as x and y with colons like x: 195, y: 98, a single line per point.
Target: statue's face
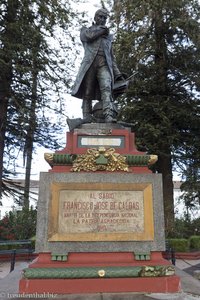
x: 100, y: 19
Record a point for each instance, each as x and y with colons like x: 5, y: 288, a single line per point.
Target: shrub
x: 194, y: 242
x: 18, y: 225
x: 179, y: 245
x: 184, y: 228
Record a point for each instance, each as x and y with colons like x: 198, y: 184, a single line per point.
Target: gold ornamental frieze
x: 100, y: 159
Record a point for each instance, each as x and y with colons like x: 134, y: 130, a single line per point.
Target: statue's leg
x: 89, y: 88
x: 105, y: 83
x: 86, y: 108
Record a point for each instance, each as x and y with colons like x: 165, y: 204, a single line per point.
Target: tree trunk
x: 164, y: 163
x: 29, y: 151
x: 30, y: 132
x: 164, y: 166
x: 3, y: 120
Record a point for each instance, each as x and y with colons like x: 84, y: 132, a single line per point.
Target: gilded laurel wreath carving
x: 101, y: 159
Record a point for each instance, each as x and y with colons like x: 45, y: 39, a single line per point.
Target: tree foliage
x: 191, y: 188
x: 160, y: 40
x: 34, y: 77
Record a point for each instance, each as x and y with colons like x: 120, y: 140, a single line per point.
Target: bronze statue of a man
x: 98, y: 70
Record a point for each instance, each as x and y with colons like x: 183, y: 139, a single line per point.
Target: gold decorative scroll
x: 101, y: 159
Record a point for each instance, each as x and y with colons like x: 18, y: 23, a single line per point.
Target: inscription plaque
x: 97, y: 211
x: 107, y: 212
x: 96, y: 141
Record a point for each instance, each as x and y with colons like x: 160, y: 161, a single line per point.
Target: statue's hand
x: 105, y: 31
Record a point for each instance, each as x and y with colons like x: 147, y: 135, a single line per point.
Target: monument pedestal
x: 100, y: 273
x: 100, y: 225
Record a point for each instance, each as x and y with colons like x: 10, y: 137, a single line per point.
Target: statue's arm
x: 92, y: 33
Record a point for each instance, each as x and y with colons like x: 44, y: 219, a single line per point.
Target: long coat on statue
x: 92, y: 39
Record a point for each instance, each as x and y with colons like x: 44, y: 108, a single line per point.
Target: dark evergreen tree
x: 34, y: 66
x: 8, y: 18
x: 160, y: 40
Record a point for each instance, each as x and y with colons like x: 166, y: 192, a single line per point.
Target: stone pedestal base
x: 85, y: 286
x: 100, y: 223
x: 100, y: 273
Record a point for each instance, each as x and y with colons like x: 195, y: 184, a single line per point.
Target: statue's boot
x: 87, y: 109
x: 110, y: 119
x: 108, y: 113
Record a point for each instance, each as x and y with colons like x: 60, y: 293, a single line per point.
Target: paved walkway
x: 190, y: 286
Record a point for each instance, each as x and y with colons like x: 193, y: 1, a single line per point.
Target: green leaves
x: 160, y: 39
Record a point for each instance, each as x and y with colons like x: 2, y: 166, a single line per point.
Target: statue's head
x: 100, y: 16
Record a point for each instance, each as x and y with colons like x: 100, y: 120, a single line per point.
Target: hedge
x: 179, y: 245
x: 194, y: 241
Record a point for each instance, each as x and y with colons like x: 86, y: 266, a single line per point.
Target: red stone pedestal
x: 86, y: 286
x: 73, y: 147
x: 98, y: 267
x: 163, y: 284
